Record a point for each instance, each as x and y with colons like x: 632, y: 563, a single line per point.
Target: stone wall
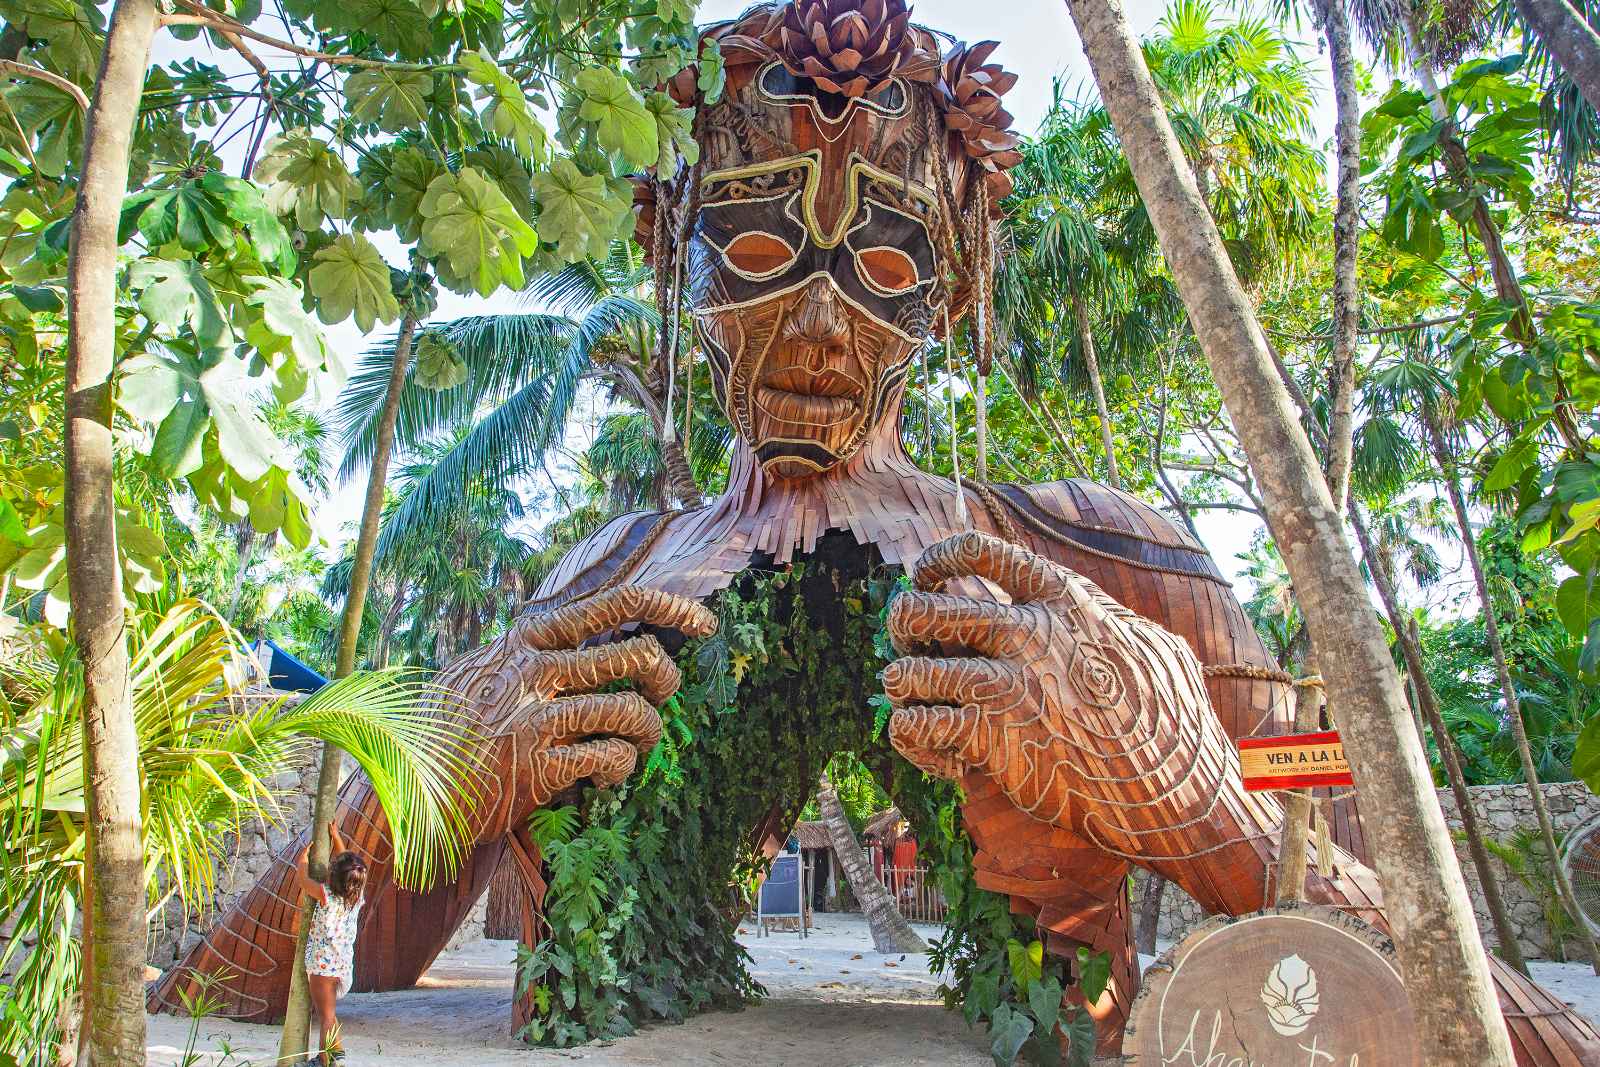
x: 1502, y: 810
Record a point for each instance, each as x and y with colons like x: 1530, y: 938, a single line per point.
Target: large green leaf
x: 411, y: 171
x: 1010, y: 1030
x: 74, y: 33
x: 622, y: 122
x: 351, y: 278
x: 580, y: 212
x: 248, y: 208
x: 1027, y: 961
x: 246, y: 442
x: 507, y: 113
x: 53, y: 118
x: 172, y: 292
x: 439, y: 366
x: 1578, y: 603
x: 287, y: 335
x: 479, y: 236
x: 674, y: 134
x: 393, y: 100
x: 306, y: 178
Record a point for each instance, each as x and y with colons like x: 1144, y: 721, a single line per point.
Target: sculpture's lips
x: 805, y: 408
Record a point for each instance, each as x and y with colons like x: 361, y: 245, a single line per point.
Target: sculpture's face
x: 811, y: 273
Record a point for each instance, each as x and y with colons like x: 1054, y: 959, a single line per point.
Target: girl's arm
x: 310, y: 886
x: 336, y: 841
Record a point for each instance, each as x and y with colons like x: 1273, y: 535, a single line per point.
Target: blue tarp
x: 285, y: 672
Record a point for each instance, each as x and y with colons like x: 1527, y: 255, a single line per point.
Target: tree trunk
x: 1428, y: 704
x: 1149, y: 921
x: 297, y: 1015
x: 114, y: 920
x: 1497, y: 650
x: 1346, y: 238
x: 1571, y: 40
x: 890, y: 931
x: 1442, y: 961
x: 680, y: 476
x: 244, y: 541
x: 981, y: 405
x: 1297, y: 802
x: 1091, y: 364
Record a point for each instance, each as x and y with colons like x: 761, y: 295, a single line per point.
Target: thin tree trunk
x: 297, y: 1015
x: 1442, y: 962
x: 1497, y: 650
x: 981, y: 404
x: 1346, y: 239
x: 680, y: 476
x: 1091, y: 364
x: 890, y: 931
x: 1149, y: 922
x: 1297, y: 802
x: 1428, y: 703
x: 114, y: 920
x: 244, y: 551
x: 1571, y: 40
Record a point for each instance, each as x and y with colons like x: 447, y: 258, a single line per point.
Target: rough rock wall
x: 1502, y: 810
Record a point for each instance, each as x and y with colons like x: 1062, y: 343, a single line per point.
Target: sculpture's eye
x: 758, y: 255
x: 887, y: 270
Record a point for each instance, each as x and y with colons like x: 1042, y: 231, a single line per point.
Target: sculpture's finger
x: 942, y: 740
x: 990, y: 629
x: 606, y: 762
x: 572, y: 624
x: 991, y: 684
x: 623, y: 715
x: 640, y: 660
x: 1023, y: 576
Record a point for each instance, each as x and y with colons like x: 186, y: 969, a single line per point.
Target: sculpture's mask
x: 813, y: 268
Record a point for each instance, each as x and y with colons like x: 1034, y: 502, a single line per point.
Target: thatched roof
x: 883, y: 823
x: 812, y: 833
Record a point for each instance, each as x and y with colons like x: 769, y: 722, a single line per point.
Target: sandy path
x: 834, y: 1003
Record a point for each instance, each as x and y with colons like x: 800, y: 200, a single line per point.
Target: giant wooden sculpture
x: 1096, y: 666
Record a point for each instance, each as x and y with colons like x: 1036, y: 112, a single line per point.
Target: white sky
x: 1038, y: 42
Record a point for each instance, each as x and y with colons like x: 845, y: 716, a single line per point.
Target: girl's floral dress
x: 331, y: 944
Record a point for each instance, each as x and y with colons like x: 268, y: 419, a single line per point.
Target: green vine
x: 644, y: 898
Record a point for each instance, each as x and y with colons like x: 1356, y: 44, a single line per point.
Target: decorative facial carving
x: 840, y: 181
x: 812, y: 275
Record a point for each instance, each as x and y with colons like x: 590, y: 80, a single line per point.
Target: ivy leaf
x: 622, y: 122
x: 305, y: 177
x: 173, y: 292
x: 469, y: 222
x: 393, y: 100
x: 410, y: 173
x: 351, y: 278
x: 439, y: 367
x: 74, y: 33
x: 674, y: 134
x: 579, y: 212
x: 507, y: 114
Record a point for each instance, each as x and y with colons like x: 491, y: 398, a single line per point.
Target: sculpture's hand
x: 1088, y: 716
x: 532, y: 697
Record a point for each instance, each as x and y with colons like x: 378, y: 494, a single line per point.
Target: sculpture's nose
x: 819, y: 318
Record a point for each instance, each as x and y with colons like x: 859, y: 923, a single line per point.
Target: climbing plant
x: 644, y: 900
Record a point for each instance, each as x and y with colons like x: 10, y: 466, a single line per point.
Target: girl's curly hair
x: 347, y: 876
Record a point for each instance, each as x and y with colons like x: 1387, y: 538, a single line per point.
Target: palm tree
x: 523, y: 372
x: 206, y: 759
x: 1442, y: 962
x: 890, y: 931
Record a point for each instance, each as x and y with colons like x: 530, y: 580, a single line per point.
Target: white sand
x: 834, y: 1003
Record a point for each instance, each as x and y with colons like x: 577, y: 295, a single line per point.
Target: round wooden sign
x: 1300, y: 985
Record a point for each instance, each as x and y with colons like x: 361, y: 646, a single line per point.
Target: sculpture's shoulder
x: 592, y: 562
x: 1088, y: 518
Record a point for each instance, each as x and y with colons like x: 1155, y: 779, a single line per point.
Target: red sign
x: 1293, y: 761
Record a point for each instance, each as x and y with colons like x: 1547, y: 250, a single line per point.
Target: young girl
x: 331, y: 943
